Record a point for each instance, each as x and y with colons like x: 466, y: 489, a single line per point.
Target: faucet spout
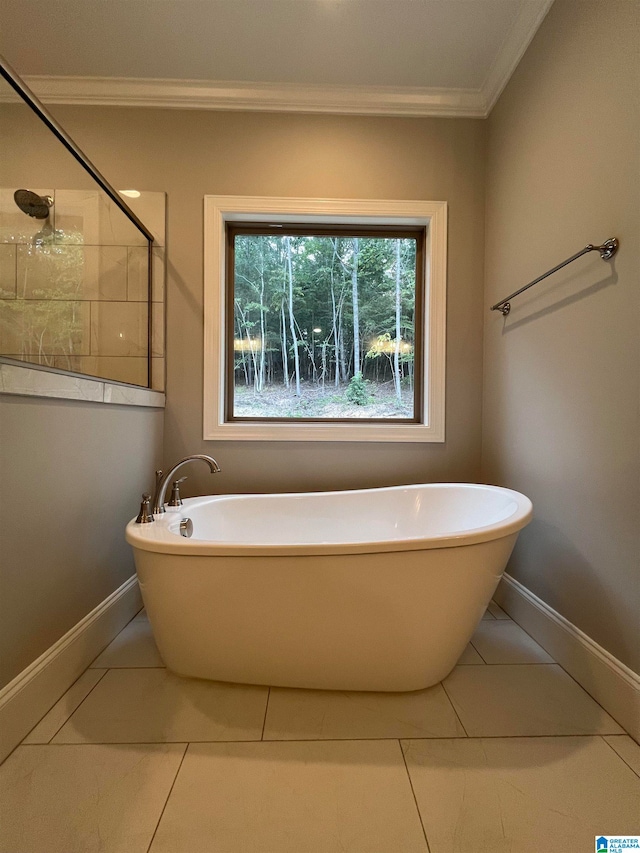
x: 163, y: 482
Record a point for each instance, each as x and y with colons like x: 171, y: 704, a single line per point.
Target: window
x: 321, y: 323
x: 324, y: 320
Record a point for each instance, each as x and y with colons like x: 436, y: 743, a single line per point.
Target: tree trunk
x: 283, y: 340
x: 354, y: 295
x: 253, y: 371
x: 396, y: 354
x: 324, y: 363
x: 242, y: 353
x: 263, y: 342
x: 344, y: 369
x: 342, y: 373
x: 292, y: 326
x: 334, y: 332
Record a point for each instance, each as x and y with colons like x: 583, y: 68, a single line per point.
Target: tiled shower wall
x: 77, y: 299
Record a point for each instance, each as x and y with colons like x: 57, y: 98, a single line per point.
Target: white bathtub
x: 379, y: 589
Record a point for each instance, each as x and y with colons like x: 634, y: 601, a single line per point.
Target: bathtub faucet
x: 163, y: 481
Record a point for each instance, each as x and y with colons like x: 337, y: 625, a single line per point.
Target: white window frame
x: 218, y: 210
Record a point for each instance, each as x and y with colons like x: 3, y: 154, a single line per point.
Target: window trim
x: 218, y: 210
x: 387, y: 231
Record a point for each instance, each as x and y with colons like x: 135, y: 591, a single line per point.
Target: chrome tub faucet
x: 162, y: 482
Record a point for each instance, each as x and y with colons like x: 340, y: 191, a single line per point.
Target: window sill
x: 326, y: 432
x: 33, y: 381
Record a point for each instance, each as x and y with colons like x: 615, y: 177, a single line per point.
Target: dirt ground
x: 276, y: 401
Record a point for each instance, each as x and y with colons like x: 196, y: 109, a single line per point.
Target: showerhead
x: 33, y: 204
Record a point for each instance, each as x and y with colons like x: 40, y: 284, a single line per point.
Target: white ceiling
x: 412, y: 57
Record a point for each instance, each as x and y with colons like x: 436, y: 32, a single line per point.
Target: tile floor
x: 507, y: 755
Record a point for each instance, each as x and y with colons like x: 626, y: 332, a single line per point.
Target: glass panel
x: 323, y: 327
x: 74, y: 274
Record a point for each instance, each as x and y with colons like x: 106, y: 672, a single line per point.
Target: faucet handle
x: 145, y: 516
x: 157, y: 509
x: 176, y: 500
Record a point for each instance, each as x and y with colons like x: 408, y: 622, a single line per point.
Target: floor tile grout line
x: 476, y: 650
x: 593, y: 698
x: 325, y: 740
x: 568, y: 673
x: 17, y: 746
x: 525, y: 663
x: 526, y: 632
x: 266, y: 709
x: 123, y: 666
x: 500, y: 622
x: 78, y: 707
x: 531, y: 637
x: 624, y: 760
x: 48, y: 743
x: 522, y: 663
x: 455, y: 710
x: 186, y: 747
x: 312, y: 689
x: 124, y: 628
x: 36, y: 724
x: 511, y: 737
x: 499, y: 618
x: 415, y: 799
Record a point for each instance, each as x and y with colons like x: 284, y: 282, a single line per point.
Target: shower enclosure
x: 81, y: 285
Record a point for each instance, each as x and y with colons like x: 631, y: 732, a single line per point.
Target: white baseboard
x: 612, y: 684
x: 26, y: 699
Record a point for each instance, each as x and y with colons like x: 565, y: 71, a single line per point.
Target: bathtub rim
x: 159, y: 538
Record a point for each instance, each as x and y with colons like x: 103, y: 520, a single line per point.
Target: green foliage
x: 47, y: 323
x: 379, y: 345
x: 322, y: 268
x: 358, y: 391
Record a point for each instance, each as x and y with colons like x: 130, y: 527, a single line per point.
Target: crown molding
x: 294, y: 98
x: 269, y: 97
x: 513, y: 49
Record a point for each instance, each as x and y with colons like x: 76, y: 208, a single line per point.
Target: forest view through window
x: 324, y: 324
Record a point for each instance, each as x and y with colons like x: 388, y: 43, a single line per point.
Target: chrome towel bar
x: 607, y: 251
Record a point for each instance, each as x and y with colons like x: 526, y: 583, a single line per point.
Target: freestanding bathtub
x: 379, y: 589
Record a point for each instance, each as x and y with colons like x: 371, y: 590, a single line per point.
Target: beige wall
x: 191, y: 153
x: 561, y: 373
x: 71, y: 474
x: 88, y: 463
